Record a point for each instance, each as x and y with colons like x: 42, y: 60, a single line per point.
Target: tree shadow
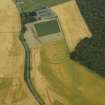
x: 90, y: 52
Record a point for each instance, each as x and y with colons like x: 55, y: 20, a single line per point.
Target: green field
x: 30, y: 5
x: 48, y: 27
x: 75, y: 83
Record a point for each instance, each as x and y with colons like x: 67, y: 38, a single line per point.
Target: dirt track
x: 72, y: 22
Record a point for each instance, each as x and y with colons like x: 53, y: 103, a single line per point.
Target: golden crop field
x: 58, y: 79
x: 12, y: 87
x: 66, y: 79
x: 72, y: 22
x: 72, y: 82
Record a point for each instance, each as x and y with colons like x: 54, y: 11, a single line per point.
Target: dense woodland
x: 91, y: 52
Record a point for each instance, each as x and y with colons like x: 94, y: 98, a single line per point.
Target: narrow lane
x: 27, y: 74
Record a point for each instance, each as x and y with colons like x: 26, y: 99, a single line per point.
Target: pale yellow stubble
x: 73, y: 24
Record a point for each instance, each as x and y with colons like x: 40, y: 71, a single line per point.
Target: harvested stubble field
x: 11, y: 57
x: 70, y: 80
x: 76, y: 84
x: 72, y: 83
x: 72, y: 22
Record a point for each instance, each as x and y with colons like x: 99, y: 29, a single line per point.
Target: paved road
x: 27, y: 74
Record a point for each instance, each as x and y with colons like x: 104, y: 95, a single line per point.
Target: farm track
x: 27, y: 68
x: 27, y: 74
